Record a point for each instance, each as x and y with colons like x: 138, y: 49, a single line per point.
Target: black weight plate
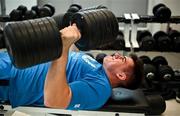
x: 35, y: 47
x: 79, y: 19
x: 37, y: 40
x: 43, y: 40
x: 110, y: 18
x: 47, y: 50
x: 94, y: 36
x: 98, y: 37
x: 93, y: 29
x: 88, y: 30
x: 57, y: 37
x: 33, y: 44
x: 26, y: 44
x: 84, y: 44
x: 107, y: 40
x: 115, y: 23
x: 103, y: 39
x: 15, y: 43
x: 99, y: 20
x: 10, y: 41
x: 20, y: 42
x: 56, y: 44
x: 109, y: 26
x: 50, y: 42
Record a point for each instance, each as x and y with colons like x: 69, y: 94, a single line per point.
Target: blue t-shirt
x: 86, y: 77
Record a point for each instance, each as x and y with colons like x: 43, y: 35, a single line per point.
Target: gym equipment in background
x: 175, y: 37
x: 22, y: 13
x: 146, y: 41
x: 161, y: 11
x: 164, y: 71
x: 150, y: 71
x: 163, y: 42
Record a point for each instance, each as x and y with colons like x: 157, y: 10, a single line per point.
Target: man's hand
x: 69, y: 36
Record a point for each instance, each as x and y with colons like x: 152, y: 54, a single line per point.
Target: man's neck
x: 110, y: 77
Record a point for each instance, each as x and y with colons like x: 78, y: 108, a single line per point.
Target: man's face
x: 118, y: 63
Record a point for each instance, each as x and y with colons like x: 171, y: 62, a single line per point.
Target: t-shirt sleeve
x: 88, y: 94
x: 5, y: 65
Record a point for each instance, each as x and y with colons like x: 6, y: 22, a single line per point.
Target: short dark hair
x: 138, y: 71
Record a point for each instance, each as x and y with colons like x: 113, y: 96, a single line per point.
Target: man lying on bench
x: 74, y: 81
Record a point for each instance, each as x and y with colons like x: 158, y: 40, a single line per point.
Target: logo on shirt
x: 89, y: 60
x: 77, y: 105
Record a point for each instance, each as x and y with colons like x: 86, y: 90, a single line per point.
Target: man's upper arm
x: 88, y: 95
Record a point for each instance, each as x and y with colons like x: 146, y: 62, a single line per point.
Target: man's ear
x: 121, y: 76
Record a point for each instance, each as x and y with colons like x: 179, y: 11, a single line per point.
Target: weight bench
x: 134, y: 101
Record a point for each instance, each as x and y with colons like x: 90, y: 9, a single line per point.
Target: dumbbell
x: 163, y: 42
x: 164, y: 71
x: 30, y: 14
x: 73, y: 8
x: 161, y: 12
x: 100, y: 57
x: 36, y: 8
x: 175, y: 37
x: 26, y: 14
x: 46, y: 10
x: 150, y: 71
x: 36, y: 41
x: 22, y: 13
x: 145, y: 59
x: 17, y: 14
x: 145, y: 40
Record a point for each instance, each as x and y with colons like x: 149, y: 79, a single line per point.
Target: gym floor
x: 172, y: 108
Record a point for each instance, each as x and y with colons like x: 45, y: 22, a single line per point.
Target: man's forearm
x: 57, y: 93
x: 74, y: 48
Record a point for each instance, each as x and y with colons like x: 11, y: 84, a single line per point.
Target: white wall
x: 174, y: 5
x: 118, y: 7
x: 13, y: 4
